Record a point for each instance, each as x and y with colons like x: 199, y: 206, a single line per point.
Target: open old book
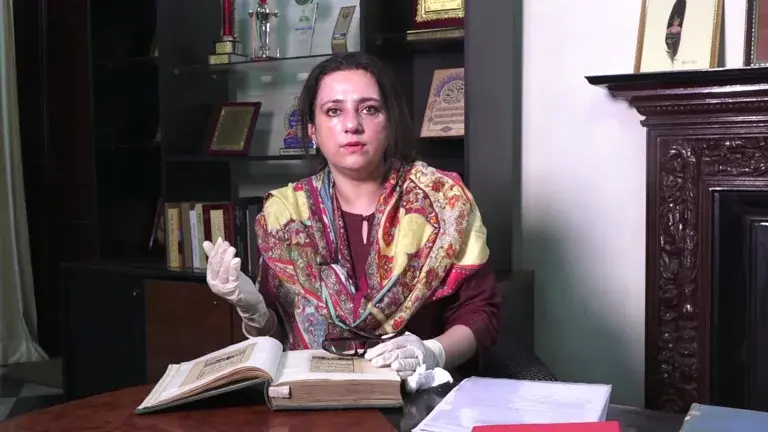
x: 309, y: 379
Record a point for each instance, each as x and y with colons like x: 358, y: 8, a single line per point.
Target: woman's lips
x: 353, y: 146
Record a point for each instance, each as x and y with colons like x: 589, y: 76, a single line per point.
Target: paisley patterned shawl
x: 427, y: 238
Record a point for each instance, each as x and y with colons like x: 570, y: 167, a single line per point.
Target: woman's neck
x: 357, y: 196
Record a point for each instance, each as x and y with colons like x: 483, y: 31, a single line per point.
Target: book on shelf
x: 292, y: 380
x: 189, y: 224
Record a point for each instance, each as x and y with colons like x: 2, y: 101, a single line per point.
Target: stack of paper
x: 489, y: 401
x: 606, y: 426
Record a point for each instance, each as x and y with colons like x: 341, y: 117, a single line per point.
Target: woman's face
x: 350, y: 124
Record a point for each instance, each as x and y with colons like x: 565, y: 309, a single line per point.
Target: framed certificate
x: 232, y: 128
x: 432, y: 14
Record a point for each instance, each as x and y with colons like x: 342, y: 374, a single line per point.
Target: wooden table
x: 246, y: 411
x: 114, y: 412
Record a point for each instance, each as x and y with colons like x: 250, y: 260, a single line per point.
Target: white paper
x: 490, y: 401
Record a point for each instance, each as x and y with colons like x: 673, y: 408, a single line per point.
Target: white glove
x: 424, y: 379
x: 227, y: 281
x: 406, y: 353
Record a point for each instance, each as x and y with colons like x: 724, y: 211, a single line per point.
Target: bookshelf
x: 134, y: 94
x: 124, y: 105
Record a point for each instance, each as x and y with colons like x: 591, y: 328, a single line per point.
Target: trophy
x: 340, y: 30
x: 260, y: 24
x: 228, y: 47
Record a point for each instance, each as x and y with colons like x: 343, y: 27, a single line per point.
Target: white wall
x: 584, y: 189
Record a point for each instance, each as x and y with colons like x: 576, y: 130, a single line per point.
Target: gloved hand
x: 406, y: 353
x: 227, y: 281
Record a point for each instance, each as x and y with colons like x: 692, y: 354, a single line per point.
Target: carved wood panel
x: 678, y: 297
x: 706, y: 130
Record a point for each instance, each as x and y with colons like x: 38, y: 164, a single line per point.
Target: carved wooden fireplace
x: 706, y: 234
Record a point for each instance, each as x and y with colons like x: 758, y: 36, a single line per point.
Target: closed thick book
x: 710, y: 418
x: 299, y: 380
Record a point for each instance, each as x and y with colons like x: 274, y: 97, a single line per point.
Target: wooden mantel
x: 673, y: 97
x: 706, y: 130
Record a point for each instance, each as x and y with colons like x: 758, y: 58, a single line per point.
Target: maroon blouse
x: 475, y: 304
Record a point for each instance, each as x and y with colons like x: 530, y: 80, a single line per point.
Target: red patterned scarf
x: 427, y: 238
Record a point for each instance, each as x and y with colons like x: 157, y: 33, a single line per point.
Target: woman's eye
x: 333, y: 112
x: 371, y: 110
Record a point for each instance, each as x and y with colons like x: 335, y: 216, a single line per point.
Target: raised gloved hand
x: 406, y: 353
x: 227, y: 281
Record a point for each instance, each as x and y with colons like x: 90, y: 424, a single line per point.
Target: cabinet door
x: 102, y: 330
x: 184, y: 321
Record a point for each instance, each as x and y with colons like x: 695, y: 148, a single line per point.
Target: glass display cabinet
x: 196, y: 84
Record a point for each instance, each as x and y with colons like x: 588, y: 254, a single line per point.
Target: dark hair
x: 401, y: 136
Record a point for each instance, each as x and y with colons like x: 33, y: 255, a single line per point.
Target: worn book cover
x: 308, y: 379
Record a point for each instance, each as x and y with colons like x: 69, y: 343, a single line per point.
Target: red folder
x: 608, y: 426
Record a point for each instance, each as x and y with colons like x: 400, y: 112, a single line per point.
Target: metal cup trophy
x: 228, y: 47
x: 261, y: 18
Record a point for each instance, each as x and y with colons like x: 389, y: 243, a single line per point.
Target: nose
x: 352, y: 121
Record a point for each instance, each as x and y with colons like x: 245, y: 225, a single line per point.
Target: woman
x: 372, y: 245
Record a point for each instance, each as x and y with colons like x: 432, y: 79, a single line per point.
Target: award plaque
x: 303, y: 17
x: 340, y: 30
x: 227, y: 49
x: 444, y: 116
x: 292, y: 143
x: 437, y: 19
x: 232, y: 128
